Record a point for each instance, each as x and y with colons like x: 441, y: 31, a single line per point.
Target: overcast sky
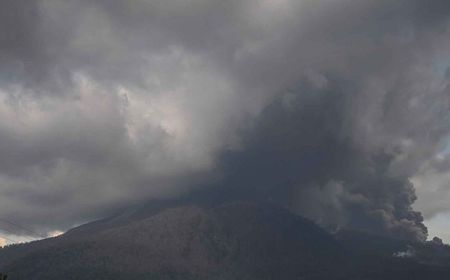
x: 339, y: 110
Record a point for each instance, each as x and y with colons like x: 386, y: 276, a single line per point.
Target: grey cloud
x: 19, y: 21
x: 107, y: 103
x: 432, y: 186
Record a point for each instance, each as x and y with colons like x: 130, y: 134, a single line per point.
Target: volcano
x: 234, y: 240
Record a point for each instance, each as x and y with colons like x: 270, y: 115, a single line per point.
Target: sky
x: 338, y: 110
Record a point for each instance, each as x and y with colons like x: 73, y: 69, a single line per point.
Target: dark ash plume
x: 301, y: 152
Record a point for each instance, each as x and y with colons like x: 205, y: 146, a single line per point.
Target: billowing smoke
x: 310, y: 149
x: 332, y: 108
x: 366, y: 105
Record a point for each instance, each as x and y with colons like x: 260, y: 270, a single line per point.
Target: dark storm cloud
x: 328, y: 106
x: 18, y: 37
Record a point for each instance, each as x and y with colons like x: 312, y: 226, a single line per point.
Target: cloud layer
x: 331, y: 107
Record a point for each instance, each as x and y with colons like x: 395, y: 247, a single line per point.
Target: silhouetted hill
x: 236, y: 240
x: 232, y: 241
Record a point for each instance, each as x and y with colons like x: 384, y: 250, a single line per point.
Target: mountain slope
x: 234, y: 240
x: 231, y: 241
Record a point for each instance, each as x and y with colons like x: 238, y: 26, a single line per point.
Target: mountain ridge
x: 233, y: 240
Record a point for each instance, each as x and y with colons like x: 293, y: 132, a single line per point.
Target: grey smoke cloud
x: 432, y: 185
x: 331, y: 107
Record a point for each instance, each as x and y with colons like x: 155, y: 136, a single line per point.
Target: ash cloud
x: 332, y: 108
